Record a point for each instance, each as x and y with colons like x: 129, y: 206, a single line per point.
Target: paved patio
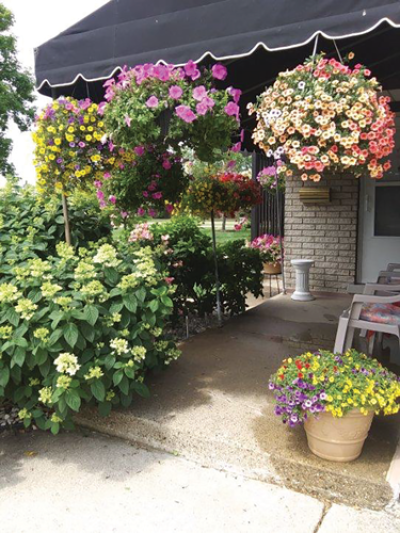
x: 214, y: 407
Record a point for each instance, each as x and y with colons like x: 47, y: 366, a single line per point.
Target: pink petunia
x: 232, y: 109
x: 157, y: 195
x: 209, y: 101
x: 236, y: 147
x: 111, y: 146
x: 152, y: 213
x: 106, y: 175
x: 199, y: 93
x: 112, y: 199
x: 139, y: 150
x: 169, y: 281
x: 101, y: 108
x: 191, y: 70
x: 185, y: 113
x: 169, y: 208
x: 127, y: 121
x: 219, y: 72
x: 202, y: 108
x: 167, y: 164
x: 141, y: 211
x: 175, y: 92
x: 152, y: 102
x: 235, y: 93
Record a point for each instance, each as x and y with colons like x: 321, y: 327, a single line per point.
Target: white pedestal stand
x: 302, y: 269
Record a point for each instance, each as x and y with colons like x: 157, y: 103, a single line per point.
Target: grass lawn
x: 229, y: 234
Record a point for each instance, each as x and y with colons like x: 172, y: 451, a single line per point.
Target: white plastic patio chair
x: 391, y: 275
x: 369, y: 312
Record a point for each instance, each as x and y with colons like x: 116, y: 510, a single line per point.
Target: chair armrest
x: 393, y: 266
x: 372, y: 299
x: 371, y: 288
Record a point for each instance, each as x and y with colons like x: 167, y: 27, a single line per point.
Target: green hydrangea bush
x: 82, y: 326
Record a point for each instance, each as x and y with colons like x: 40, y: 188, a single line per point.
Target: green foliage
x: 81, y: 327
x: 186, y: 253
x: 30, y: 227
x: 16, y: 90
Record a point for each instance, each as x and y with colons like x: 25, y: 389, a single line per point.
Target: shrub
x: 185, y: 251
x: 81, y: 328
x: 30, y: 227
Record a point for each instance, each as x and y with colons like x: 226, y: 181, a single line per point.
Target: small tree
x: 16, y: 90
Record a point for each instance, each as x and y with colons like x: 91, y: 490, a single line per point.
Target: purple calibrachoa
x: 313, y: 383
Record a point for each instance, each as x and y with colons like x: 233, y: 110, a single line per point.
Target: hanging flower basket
x: 326, y: 117
x: 68, y: 151
x: 173, y: 105
x: 225, y: 193
x: 150, y: 182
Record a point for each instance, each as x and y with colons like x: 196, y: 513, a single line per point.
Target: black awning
x: 131, y: 32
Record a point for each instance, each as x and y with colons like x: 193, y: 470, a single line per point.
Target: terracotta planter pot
x: 338, y: 439
x: 272, y: 268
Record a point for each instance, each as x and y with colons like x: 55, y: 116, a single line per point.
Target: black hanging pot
x: 164, y: 121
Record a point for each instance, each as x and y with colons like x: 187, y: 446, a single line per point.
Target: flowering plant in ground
x: 185, y: 252
x: 269, y: 247
x: 225, y: 193
x: 68, y: 151
x: 325, y: 382
x: 162, y: 103
x: 326, y: 116
x: 81, y: 327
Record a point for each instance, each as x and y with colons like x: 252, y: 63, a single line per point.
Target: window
x: 387, y: 210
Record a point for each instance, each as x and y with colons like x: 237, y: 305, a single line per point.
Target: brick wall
x: 325, y: 233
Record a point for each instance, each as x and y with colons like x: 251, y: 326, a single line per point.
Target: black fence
x: 265, y: 217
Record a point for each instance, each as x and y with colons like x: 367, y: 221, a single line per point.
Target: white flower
x: 68, y: 363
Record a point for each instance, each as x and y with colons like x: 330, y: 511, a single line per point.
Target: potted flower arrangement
x: 326, y: 117
x: 336, y: 396
x: 270, y: 248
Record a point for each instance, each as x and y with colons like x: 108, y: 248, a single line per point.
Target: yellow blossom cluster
x: 68, y: 151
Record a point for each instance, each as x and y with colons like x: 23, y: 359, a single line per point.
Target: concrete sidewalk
x: 213, y: 407
x: 72, y: 483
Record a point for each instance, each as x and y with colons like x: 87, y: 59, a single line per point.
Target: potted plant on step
x: 336, y: 396
x: 270, y: 248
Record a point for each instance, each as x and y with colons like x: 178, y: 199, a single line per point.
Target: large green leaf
x: 98, y: 389
x: 130, y: 302
x: 91, y: 314
x: 73, y: 400
x: 4, y: 376
x: 71, y: 333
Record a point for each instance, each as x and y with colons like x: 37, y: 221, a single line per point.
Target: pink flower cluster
x: 141, y: 232
x: 173, y: 76
x: 269, y: 247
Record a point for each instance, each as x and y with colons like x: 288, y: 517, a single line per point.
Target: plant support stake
x: 217, y: 284
x: 66, y: 219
